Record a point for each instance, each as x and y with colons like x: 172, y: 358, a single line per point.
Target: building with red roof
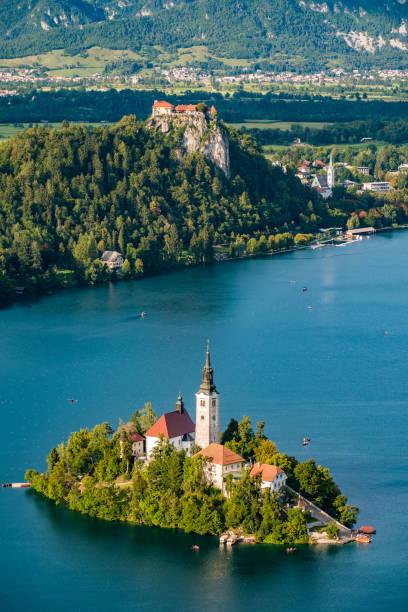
x: 185, y: 108
x: 162, y: 107
x: 219, y: 462
x: 273, y: 477
x: 176, y: 426
x: 137, y: 441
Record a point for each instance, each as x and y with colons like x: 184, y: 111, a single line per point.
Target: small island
x: 170, y: 472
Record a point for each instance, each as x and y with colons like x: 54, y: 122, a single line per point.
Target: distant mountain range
x: 274, y: 33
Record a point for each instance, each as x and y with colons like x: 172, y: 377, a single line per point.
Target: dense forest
x: 95, y: 473
x: 307, y: 35
x: 82, y: 105
x: 68, y: 195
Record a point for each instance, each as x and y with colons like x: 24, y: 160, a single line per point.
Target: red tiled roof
x: 301, y: 502
x: 213, y: 109
x: 217, y: 453
x: 162, y: 104
x: 268, y: 472
x: 185, y: 107
x: 136, y: 437
x: 171, y: 425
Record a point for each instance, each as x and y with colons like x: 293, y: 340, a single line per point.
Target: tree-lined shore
x: 95, y: 473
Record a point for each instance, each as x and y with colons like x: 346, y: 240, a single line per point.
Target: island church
x: 177, y: 425
x: 220, y: 463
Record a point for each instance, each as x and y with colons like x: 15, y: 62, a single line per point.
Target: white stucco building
x: 273, y: 477
x: 207, y: 408
x: 220, y: 461
x: 176, y: 426
x: 162, y: 107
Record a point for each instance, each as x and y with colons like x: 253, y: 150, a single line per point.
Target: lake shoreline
x: 29, y: 297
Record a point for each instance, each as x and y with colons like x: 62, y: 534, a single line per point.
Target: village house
x: 363, y: 170
x: 220, y: 461
x: 273, y: 477
x: 176, y: 426
x: 326, y: 232
x: 138, y: 445
x: 112, y: 259
x: 377, y: 187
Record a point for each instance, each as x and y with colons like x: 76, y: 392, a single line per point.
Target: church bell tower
x: 330, y: 173
x: 207, y: 408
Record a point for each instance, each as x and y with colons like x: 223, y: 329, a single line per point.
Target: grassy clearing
x: 268, y: 150
x: 58, y: 63
x: 262, y: 124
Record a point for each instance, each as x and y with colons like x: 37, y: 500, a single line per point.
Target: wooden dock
x: 16, y: 485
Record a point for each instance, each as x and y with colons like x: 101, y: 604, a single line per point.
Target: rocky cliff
x: 198, y: 132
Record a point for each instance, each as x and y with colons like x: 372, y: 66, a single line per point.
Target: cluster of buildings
x: 190, y: 74
x: 178, y: 428
x: 187, y: 74
x: 323, y: 183
x: 162, y: 107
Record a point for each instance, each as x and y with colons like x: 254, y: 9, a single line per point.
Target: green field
x: 262, y: 124
x: 270, y: 149
x: 59, y: 63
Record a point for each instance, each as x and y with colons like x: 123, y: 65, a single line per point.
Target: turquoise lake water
x: 330, y: 373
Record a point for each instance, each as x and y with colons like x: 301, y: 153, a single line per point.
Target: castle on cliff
x: 198, y: 128
x: 162, y: 107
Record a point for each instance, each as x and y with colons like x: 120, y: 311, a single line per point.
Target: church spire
x: 180, y: 404
x: 207, y: 385
x: 330, y: 173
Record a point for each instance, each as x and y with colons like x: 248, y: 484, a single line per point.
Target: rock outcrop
x: 198, y: 132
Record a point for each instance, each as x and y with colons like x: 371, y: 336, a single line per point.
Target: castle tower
x: 330, y: 173
x: 207, y: 408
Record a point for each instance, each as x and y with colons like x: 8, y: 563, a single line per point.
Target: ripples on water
x: 329, y: 373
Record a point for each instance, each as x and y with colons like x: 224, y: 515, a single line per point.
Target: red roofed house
x: 273, y: 477
x: 176, y: 426
x: 161, y: 107
x: 138, y: 444
x: 221, y: 461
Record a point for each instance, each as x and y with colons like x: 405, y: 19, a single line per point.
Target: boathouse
x: 360, y: 231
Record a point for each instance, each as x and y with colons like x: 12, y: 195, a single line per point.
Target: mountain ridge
x: 261, y: 29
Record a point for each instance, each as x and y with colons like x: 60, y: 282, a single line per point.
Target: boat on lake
x: 363, y: 538
x: 367, y: 530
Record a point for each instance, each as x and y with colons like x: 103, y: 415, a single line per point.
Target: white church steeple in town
x: 330, y: 173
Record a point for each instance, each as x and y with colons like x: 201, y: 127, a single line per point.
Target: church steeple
x: 330, y: 173
x: 180, y: 404
x: 207, y: 385
x: 207, y: 407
